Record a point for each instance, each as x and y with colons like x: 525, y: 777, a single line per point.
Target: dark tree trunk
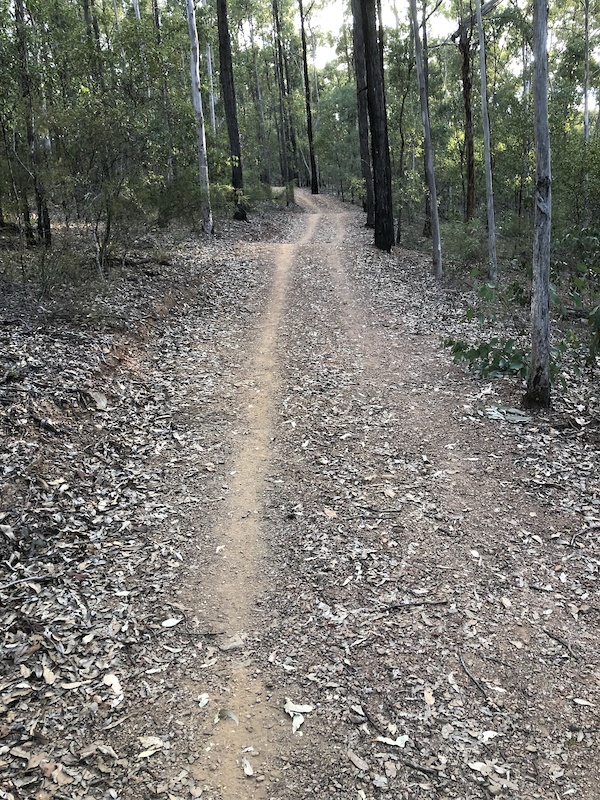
x: 464, y: 46
x: 363, y: 111
x: 314, y: 181
x: 33, y: 147
x: 427, y: 227
x: 382, y: 171
x: 228, y: 89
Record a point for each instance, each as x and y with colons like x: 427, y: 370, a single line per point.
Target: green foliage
x: 491, y: 359
x: 498, y: 357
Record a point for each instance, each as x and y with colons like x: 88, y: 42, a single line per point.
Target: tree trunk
x: 363, y: 111
x: 489, y: 186
x: 586, y: 84
x: 211, y: 89
x: 425, y: 62
x: 382, y: 171
x: 256, y: 92
x: 165, y: 94
x: 206, y: 210
x: 228, y: 89
x: 538, y: 379
x: 287, y: 170
x: 464, y: 45
x: 428, y: 148
x: 33, y: 145
x: 143, y: 59
x: 314, y: 181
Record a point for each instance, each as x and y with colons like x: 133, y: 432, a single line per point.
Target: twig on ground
x: 419, y: 768
x: 566, y: 645
x: 477, y: 683
x: 28, y: 580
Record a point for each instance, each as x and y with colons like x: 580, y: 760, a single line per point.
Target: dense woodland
x: 104, y: 126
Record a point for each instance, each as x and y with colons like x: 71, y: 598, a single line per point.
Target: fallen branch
x: 477, y: 683
x: 28, y: 580
x: 419, y: 768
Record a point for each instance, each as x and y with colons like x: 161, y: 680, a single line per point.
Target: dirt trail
x: 293, y: 493
x: 238, y: 580
x: 362, y: 563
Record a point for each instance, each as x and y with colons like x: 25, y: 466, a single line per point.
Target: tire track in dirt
x: 238, y: 581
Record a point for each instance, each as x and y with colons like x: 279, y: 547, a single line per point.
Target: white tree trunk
x: 211, y: 89
x: 489, y: 186
x: 206, y: 210
x: 538, y: 380
x: 586, y: 85
x: 429, y: 170
x: 138, y: 16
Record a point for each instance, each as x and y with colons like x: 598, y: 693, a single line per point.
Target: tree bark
x: 538, y: 379
x: 363, y: 111
x: 206, y: 209
x: 382, y: 170
x: 464, y: 46
x: 228, y: 89
x: 428, y: 148
x: 143, y: 59
x: 286, y: 166
x: 314, y: 180
x: 33, y: 145
x: 165, y: 93
x: 256, y: 92
x: 489, y: 186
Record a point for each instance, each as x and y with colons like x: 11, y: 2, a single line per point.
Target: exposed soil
x: 286, y: 492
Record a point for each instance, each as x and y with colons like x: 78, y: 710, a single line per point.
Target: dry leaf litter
x: 426, y: 617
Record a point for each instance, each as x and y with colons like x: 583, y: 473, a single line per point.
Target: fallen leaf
x: 428, y: 696
x: 60, y: 777
x: 111, y: 680
x: 99, y: 398
x: 399, y: 742
x: 295, y: 708
x: 49, y: 676
x: 358, y: 762
x: 390, y: 769
x: 170, y: 623
x: 247, y: 767
x: 225, y: 713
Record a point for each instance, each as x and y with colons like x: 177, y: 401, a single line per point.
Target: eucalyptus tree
x: 206, y: 208
x: 228, y: 89
x: 491, y: 219
x: 427, y: 144
x: 31, y: 157
x: 382, y: 171
x: 314, y: 179
x: 360, y: 74
x: 538, y: 379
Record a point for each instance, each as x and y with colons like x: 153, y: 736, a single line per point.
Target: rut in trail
x: 360, y: 545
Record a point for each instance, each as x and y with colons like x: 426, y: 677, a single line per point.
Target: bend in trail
x: 361, y: 547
